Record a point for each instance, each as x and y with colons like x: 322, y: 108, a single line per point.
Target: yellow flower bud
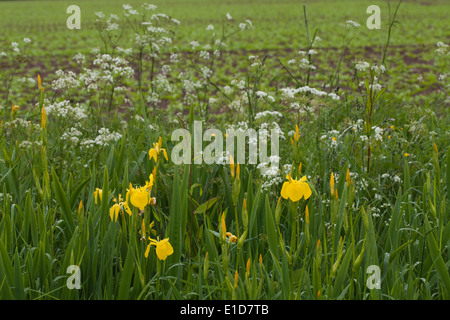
x: 43, y: 118
x: 296, y: 134
x: 232, y: 166
x: 223, y: 227
x: 307, y: 214
x: 80, y: 207
x: 332, y: 184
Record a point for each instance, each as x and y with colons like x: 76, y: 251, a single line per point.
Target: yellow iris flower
x: 295, y: 189
x: 163, y: 248
x: 97, y: 194
x: 118, y: 206
x: 140, y: 197
x: 156, y: 150
x: 14, y: 108
x: 114, y: 212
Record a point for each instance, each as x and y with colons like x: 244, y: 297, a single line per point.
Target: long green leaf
x: 342, y: 273
x: 271, y: 230
x: 439, y: 263
x: 63, y: 203
x: 127, y: 273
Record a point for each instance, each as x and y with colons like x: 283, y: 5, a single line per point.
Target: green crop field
x: 118, y: 178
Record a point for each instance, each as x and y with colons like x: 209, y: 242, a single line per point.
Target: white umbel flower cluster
x: 65, y: 80
x: 442, y: 49
x: 64, y: 110
x: 71, y: 135
x: 264, y: 114
x: 113, y: 68
x: 104, y: 138
x: 362, y: 65
x: 289, y: 93
x: 352, y: 24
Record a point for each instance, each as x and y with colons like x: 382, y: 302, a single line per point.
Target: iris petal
x: 164, y: 249
x: 295, y: 191
x: 306, y: 190
x: 147, y: 251
x: 284, y: 193
x: 139, y: 198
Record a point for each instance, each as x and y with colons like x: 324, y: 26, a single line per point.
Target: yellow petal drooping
x: 114, y: 212
x: 147, y: 251
x: 152, y: 153
x: 97, y: 194
x: 126, y: 207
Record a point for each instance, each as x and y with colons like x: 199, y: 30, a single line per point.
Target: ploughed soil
x: 410, y: 58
